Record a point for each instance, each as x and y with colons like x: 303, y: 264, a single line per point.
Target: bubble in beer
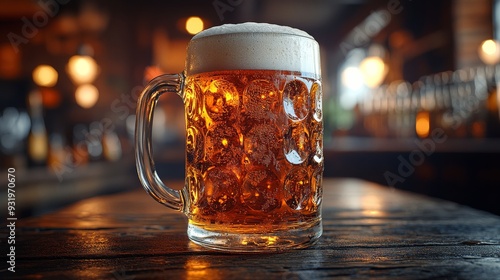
x: 221, y: 100
x: 221, y: 189
x: 297, y: 188
x: 260, y: 190
x: 260, y: 98
x: 317, y: 98
x: 296, y: 100
x: 262, y: 143
x: 222, y: 144
x: 296, y: 143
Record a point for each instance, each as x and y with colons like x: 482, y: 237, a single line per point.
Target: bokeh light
x: 351, y: 77
x: 374, y: 71
x: 45, y: 75
x: 489, y: 51
x: 422, y: 124
x: 194, y: 25
x: 82, y: 69
x: 86, y: 96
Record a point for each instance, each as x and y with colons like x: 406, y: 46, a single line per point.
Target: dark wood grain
x: 370, y: 231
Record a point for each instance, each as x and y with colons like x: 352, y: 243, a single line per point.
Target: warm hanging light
x: 489, y: 51
x: 86, y: 96
x: 45, y: 75
x: 194, y: 25
x: 82, y: 69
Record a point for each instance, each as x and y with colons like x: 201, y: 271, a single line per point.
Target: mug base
x: 270, y: 242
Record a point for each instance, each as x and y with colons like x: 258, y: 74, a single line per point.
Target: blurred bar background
x: 410, y: 91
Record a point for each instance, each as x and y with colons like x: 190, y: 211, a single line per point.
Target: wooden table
x: 370, y: 231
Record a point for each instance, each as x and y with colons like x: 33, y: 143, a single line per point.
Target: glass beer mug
x: 254, y: 138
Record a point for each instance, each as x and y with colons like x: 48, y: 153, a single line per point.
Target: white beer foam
x: 253, y: 46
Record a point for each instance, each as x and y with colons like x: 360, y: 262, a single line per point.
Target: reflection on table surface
x: 369, y: 231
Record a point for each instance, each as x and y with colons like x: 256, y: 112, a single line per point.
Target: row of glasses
x: 459, y: 102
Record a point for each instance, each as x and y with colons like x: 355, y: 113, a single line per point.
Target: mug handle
x: 143, y: 147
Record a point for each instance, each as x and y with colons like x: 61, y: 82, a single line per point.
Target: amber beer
x: 254, y: 150
x: 254, y: 138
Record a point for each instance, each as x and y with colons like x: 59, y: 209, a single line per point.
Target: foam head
x: 252, y: 46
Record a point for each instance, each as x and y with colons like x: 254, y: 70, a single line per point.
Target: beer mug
x: 254, y: 138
